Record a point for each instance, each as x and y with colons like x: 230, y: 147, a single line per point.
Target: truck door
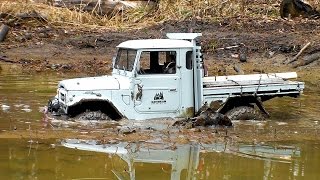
x: 157, y: 83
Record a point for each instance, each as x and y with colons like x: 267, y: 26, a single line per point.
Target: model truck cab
x: 157, y: 78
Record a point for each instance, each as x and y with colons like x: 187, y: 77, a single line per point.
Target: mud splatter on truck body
x: 158, y: 78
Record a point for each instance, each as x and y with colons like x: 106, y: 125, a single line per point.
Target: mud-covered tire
x: 244, y: 113
x: 92, y: 116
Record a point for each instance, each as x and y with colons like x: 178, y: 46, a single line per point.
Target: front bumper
x: 55, y: 107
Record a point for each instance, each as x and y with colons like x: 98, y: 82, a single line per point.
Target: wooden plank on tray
x: 243, y: 83
x: 287, y: 75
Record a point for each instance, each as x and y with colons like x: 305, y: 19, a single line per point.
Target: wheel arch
x: 104, y: 106
x: 249, y: 100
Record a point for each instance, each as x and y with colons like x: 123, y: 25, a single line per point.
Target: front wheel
x: 93, y: 116
x: 244, y: 113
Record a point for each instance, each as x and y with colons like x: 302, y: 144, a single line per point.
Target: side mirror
x: 135, y: 73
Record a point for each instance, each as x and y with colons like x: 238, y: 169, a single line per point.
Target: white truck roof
x: 155, y: 44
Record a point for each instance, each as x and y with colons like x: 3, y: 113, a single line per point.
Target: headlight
x: 62, y: 95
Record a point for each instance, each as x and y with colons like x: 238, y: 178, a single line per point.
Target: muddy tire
x: 92, y: 116
x: 244, y: 113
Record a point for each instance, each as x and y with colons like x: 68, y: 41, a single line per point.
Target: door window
x: 157, y: 62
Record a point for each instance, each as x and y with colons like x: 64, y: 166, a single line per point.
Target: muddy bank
x: 271, y: 42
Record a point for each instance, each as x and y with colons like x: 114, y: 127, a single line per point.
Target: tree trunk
x: 103, y: 6
x: 308, y: 59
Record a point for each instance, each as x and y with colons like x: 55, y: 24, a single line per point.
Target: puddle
x: 283, y: 147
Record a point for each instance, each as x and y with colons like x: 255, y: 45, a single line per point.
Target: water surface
x: 23, y: 95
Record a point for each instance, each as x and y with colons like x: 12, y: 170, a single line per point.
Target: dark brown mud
x: 270, y: 42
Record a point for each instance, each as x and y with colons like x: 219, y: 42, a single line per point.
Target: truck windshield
x: 125, y: 59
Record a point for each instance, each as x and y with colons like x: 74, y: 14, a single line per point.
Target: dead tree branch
x: 300, y: 52
x: 308, y: 59
x: 5, y: 59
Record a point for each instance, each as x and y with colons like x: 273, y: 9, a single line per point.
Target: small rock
x: 113, y: 142
x: 28, y: 36
x: 270, y: 54
x: 55, y: 66
x: 195, y: 129
x: 66, y: 66
x: 5, y: 107
x: 281, y: 123
x: 243, y: 57
x: 235, y: 55
x: 43, y: 35
x: 126, y: 130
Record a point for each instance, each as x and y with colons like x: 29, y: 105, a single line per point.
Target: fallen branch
x: 229, y: 47
x: 300, y: 52
x: 308, y: 59
x: 32, y: 15
x: 4, y: 29
x: 5, y: 59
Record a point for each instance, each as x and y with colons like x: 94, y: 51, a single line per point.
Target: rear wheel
x: 244, y: 113
x: 93, y: 116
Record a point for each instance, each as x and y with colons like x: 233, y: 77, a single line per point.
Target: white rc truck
x: 157, y: 78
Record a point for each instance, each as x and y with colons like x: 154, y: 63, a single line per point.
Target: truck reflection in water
x: 185, y: 160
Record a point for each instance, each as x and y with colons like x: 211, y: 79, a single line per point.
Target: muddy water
x: 22, y: 97
x: 291, y: 151
x: 44, y: 160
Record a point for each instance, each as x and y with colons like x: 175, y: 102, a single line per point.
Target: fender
x: 95, y: 104
x: 243, y: 101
